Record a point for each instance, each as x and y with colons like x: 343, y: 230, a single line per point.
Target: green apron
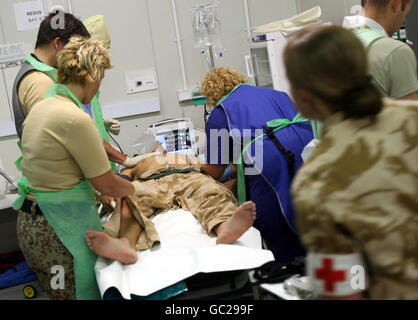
x: 98, y: 119
x: 71, y: 213
x: 42, y: 67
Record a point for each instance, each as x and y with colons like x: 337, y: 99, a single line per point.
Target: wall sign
x: 29, y: 15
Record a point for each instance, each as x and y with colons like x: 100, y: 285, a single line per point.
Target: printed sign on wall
x: 29, y: 15
x: 12, y: 52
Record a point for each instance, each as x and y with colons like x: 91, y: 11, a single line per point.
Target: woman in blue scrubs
x: 241, y: 114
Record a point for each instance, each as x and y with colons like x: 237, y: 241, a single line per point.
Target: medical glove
x: 112, y: 126
x: 132, y: 162
x: 309, y: 149
x: 139, y: 188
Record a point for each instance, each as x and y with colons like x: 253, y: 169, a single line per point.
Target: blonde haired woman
x: 63, y: 159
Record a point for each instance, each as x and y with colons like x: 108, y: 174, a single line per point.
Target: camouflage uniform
x: 208, y: 200
x: 43, y: 250
x: 359, y: 193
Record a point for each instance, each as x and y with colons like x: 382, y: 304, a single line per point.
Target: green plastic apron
x: 71, y: 213
x: 98, y: 119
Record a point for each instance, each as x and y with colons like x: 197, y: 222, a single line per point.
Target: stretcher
x: 185, y: 264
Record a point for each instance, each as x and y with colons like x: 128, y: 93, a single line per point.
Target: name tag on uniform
x: 337, y: 275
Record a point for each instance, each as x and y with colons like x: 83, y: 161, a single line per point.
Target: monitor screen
x: 176, y: 141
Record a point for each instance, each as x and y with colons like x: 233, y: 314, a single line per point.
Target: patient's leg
x: 122, y: 249
x: 242, y: 219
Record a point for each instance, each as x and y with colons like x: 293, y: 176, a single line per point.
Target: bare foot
x: 243, y: 219
x: 111, y: 248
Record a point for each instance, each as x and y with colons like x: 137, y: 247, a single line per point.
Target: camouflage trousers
x: 43, y: 250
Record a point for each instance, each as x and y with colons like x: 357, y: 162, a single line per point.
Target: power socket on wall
x: 141, y: 80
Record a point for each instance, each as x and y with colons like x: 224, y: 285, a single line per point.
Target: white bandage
x: 139, y: 188
x: 132, y: 162
x: 309, y: 149
x: 336, y: 275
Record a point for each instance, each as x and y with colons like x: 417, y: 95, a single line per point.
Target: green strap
x: 62, y: 90
x: 98, y: 119
x: 233, y: 90
x: 317, y: 129
x: 52, y: 72
x: 368, y: 36
x: 18, y: 162
x: 277, y: 124
x: 24, y: 189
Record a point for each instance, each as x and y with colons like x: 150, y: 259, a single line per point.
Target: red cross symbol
x: 329, y: 276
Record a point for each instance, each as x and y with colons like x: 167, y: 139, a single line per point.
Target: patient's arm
x: 231, y: 184
x: 111, y: 185
x: 215, y: 171
x: 129, y: 172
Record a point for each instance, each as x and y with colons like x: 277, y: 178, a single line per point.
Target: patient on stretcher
x: 171, y: 182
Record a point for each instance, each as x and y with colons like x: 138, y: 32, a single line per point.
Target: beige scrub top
x: 394, y: 68
x: 32, y: 89
x: 61, y: 146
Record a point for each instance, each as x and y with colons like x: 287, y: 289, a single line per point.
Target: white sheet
x: 185, y: 251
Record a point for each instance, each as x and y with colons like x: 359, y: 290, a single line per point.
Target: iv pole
x: 5, y: 176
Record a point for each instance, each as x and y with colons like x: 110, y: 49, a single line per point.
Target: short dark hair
x: 383, y: 3
x: 72, y: 27
x: 331, y: 63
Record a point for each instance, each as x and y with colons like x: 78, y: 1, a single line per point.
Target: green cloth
x: 164, y: 294
x: 40, y: 66
x: 71, y: 213
x: 98, y: 119
x: 277, y: 124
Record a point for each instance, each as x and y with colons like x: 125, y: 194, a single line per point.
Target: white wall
x: 332, y: 10
x: 143, y: 36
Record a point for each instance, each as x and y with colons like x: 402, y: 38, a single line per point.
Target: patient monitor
x: 175, y: 135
